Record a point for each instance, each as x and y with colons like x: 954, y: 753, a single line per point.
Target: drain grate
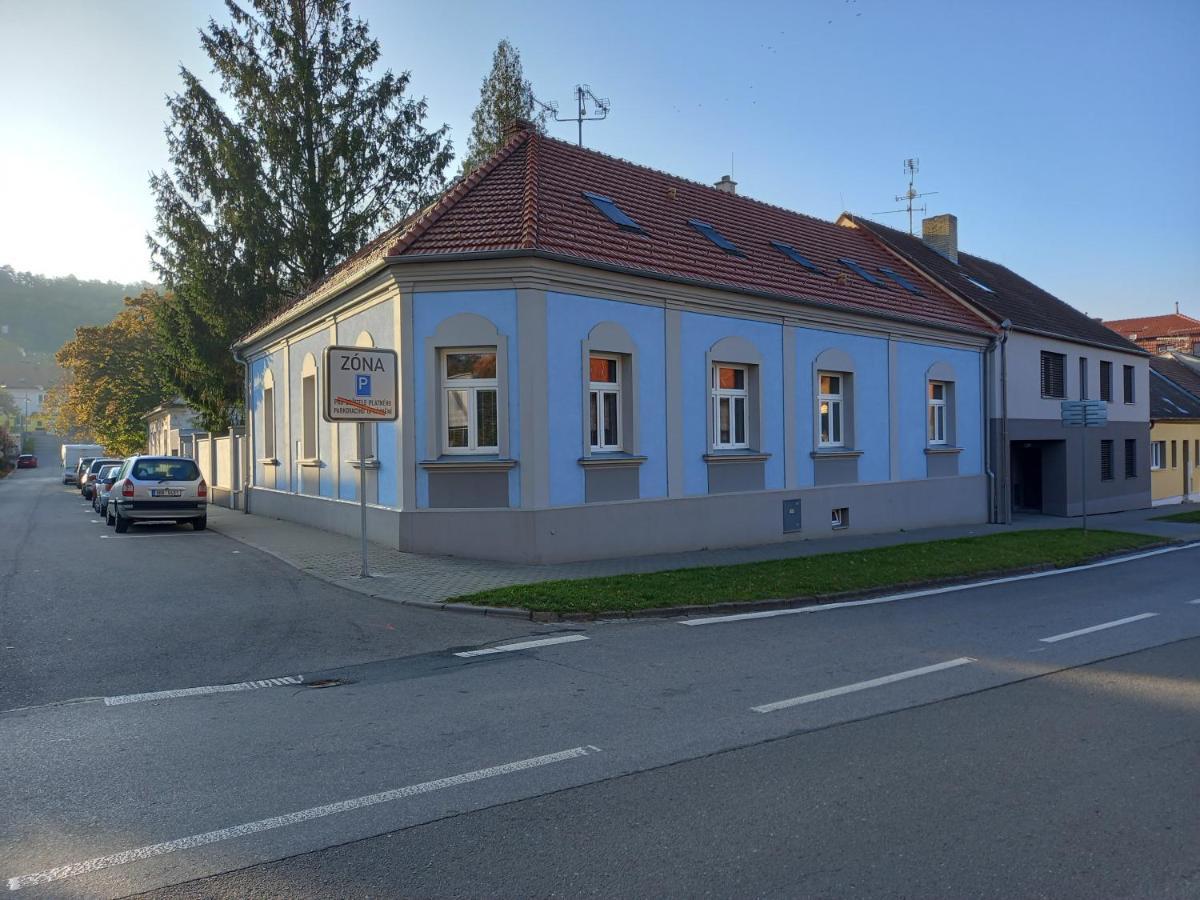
x: 324, y: 683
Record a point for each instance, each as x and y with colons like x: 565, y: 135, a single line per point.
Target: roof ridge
x: 456, y: 193
x: 530, y: 195
x: 688, y: 181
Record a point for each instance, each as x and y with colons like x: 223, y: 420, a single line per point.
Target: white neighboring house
x: 27, y: 397
x: 167, y: 424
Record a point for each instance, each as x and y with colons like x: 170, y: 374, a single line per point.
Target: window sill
x: 269, y: 461
x: 939, y: 449
x: 369, y: 463
x: 735, y: 456
x: 836, y: 453
x: 310, y: 463
x: 601, y: 460
x: 468, y: 463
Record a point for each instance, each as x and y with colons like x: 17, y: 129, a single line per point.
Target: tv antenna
x: 911, y: 168
x: 600, y: 107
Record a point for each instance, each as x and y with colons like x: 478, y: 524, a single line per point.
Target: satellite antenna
x: 600, y: 107
x: 911, y: 167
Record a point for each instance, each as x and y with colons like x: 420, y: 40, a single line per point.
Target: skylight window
x: 716, y: 237
x: 860, y: 271
x: 614, y: 213
x: 901, y: 280
x: 978, y: 284
x: 794, y: 255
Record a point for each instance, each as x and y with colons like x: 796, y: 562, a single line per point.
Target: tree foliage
x: 115, y: 378
x: 300, y: 160
x: 505, y: 96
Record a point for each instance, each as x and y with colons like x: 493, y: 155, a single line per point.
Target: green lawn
x: 815, y: 576
x: 1193, y: 517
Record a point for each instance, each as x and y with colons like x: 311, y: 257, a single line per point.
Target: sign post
x: 1084, y: 414
x: 361, y: 386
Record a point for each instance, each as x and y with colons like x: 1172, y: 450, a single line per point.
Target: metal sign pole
x: 362, y: 494
x: 1083, y: 472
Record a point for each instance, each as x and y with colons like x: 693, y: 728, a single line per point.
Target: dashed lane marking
x: 207, y: 689
x: 1070, y: 634
x: 862, y: 685
x: 524, y: 645
x: 223, y: 834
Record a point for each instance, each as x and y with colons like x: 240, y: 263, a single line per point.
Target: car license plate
x: 166, y: 492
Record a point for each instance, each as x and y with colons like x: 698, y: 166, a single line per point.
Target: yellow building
x: 1174, y: 432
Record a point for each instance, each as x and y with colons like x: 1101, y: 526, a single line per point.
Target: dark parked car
x: 81, y: 467
x: 90, y: 473
x: 26, y: 461
x: 101, y: 486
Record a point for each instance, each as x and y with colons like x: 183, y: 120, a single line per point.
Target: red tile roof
x: 1156, y: 326
x: 529, y: 198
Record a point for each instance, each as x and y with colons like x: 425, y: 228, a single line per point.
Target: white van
x: 72, y: 454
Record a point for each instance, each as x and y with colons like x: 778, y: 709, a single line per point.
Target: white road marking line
x: 1196, y: 602
x: 208, y: 689
x: 304, y: 815
x: 910, y: 595
x: 525, y: 645
x: 1070, y: 634
x: 147, y: 537
x: 862, y: 685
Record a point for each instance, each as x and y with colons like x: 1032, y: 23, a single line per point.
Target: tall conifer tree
x: 305, y: 155
x: 504, y: 97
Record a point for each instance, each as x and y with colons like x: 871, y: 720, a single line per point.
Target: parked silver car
x: 158, y: 488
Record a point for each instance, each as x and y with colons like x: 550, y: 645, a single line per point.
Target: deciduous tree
x: 304, y: 156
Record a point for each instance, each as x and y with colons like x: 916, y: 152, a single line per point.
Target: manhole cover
x: 324, y: 683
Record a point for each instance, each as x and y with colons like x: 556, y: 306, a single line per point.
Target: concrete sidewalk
x: 421, y: 580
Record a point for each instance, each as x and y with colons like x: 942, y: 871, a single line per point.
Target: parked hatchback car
x: 26, y: 461
x: 158, y: 488
x: 90, y: 473
x: 80, y: 468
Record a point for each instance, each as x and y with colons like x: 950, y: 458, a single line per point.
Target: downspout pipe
x: 246, y: 462
x: 1005, y: 493
x: 989, y: 400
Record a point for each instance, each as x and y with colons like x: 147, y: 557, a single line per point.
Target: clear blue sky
x: 1065, y: 136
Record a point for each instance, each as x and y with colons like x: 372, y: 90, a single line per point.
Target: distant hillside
x: 39, y: 314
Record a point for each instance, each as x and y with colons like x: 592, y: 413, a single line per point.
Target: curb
x: 740, y: 606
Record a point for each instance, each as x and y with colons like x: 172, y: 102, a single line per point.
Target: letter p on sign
x: 362, y: 385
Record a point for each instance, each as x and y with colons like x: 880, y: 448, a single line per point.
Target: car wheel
x: 122, y: 524
x: 200, y: 524
x: 109, y: 519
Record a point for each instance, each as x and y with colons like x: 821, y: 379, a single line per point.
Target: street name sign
x: 360, y: 385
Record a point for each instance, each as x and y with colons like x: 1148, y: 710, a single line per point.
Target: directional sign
x: 360, y: 385
x: 1084, y: 413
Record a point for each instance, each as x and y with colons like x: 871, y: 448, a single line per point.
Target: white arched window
x: 310, y: 411
x: 268, y: 416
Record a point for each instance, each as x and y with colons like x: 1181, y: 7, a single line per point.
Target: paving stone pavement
x: 420, y: 579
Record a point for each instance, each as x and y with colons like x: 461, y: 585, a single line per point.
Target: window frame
x: 935, y: 406
x: 596, y: 392
x: 1106, y: 380
x: 840, y: 400
x: 1129, y: 384
x: 268, y: 422
x: 732, y: 395
x: 473, y: 387
x: 1158, y: 455
x: 309, y: 415
x: 1049, y: 356
x: 1107, y: 471
x: 1131, y: 458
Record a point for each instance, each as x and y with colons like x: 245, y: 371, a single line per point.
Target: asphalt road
x: 1014, y: 739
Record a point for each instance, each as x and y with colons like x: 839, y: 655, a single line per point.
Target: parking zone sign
x: 360, y: 385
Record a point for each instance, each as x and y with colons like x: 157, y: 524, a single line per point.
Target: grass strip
x: 1193, y: 517
x: 815, y: 576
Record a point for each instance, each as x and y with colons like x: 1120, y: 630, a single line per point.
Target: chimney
x: 941, y: 233
x: 726, y: 185
x: 516, y: 126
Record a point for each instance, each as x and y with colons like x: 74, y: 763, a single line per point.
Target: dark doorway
x: 1027, y: 476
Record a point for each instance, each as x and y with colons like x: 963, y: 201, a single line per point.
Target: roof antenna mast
x: 600, y: 107
x: 911, y: 168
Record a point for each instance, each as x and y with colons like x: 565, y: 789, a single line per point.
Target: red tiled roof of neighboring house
x: 1000, y: 291
x: 1155, y: 326
x: 528, y: 198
